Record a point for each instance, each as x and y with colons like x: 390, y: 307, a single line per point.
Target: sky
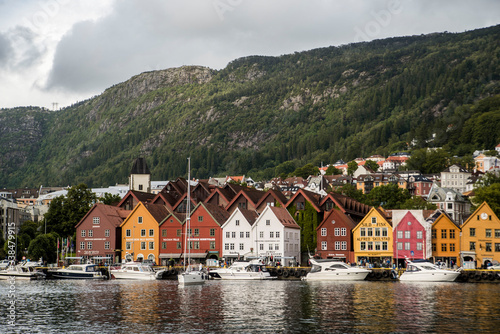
x: 54, y: 53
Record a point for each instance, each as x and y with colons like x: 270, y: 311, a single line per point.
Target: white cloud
x: 78, y: 48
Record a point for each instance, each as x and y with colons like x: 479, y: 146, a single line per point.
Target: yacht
x: 425, y: 271
x: 135, y: 270
x: 334, y: 270
x: 191, y: 277
x: 22, y: 271
x: 79, y: 271
x: 243, y: 270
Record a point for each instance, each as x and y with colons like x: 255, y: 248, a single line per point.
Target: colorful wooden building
x: 334, y: 235
x: 446, y: 240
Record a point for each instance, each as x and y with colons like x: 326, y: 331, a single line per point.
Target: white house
x: 277, y: 234
x: 237, y: 236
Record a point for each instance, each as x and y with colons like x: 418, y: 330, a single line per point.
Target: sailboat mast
x: 189, y: 209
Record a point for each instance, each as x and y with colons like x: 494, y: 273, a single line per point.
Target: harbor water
x: 162, y: 306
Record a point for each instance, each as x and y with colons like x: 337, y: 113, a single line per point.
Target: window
x: 226, y: 246
x: 487, y: 233
x: 377, y: 245
x: 143, y: 233
x: 497, y: 233
x: 400, y: 234
x: 384, y: 231
x: 443, y: 247
x: 106, y: 233
x: 363, y: 245
x: 242, y: 235
x: 377, y: 232
x: 96, y: 220
x: 343, y: 231
x: 370, y: 245
x: 323, y: 231
x: 151, y: 245
x: 344, y: 245
x: 231, y: 246
x: 212, y: 244
x: 407, y: 234
x: 337, y: 245
x: 271, y: 234
x: 179, y: 232
x: 277, y: 233
x: 139, y: 220
x: 323, y: 245
x: 151, y: 233
x: 488, y: 246
x: 270, y: 246
x: 419, y: 234
x: 276, y: 246
x: 497, y: 247
x: 434, y: 247
x: 233, y: 235
x: 196, y: 244
x: 369, y: 232
x: 407, y: 246
x: 337, y: 231
x: 212, y: 232
x: 450, y: 206
x: 84, y: 232
x: 228, y: 234
x: 362, y: 232
x: 419, y: 246
x: 443, y: 234
x: 472, y: 232
x: 163, y: 245
x: 268, y: 222
x: 82, y: 245
x: 200, y: 218
x: 247, y: 234
x: 434, y: 234
x: 106, y: 244
x: 242, y: 246
x: 163, y: 233
x: 128, y: 245
x: 179, y: 245
x: 89, y: 245
x: 452, y: 234
x: 91, y: 233
x: 384, y: 245
x: 237, y: 222
x: 143, y: 244
x: 452, y: 247
x: 261, y: 234
x: 128, y: 233
x: 472, y: 245
x: 196, y: 232
x: 261, y: 246
x: 374, y: 220
x: 189, y: 231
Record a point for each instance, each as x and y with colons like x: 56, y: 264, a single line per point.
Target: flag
x: 57, y: 243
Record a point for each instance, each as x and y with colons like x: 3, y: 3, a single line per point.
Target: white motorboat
x: 243, y: 270
x: 334, y: 270
x: 135, y: 270
x: 79, y: 271
x: 425, y: 271
x: 191, y: 277
x: 22, y: 271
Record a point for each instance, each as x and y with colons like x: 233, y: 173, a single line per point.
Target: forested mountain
x: 261, y: 116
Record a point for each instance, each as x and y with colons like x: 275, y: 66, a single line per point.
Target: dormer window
x: 139, y: 220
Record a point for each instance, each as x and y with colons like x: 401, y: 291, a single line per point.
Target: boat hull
x: 8, y: 275
x: 133, y: 276
x: 191, y: 278
x: 228, y: 275
x: 429, y: 277
x: 64, y: 275
x: 337, y: 276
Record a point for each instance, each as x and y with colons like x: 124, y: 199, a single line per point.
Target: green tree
x: 305, y: 171
x: 65, y: 212
x: 351, y: 167
x: 417, y: 203
x: 372, y: 165
x: 350, y: 190
x: 489, y: 194
x: 43, y: 246
x: 428, y: 162
x: 332, y: 170
x: 109, y: 199
x: 388, y: 196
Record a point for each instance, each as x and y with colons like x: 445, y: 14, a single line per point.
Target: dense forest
x: 261, y: 115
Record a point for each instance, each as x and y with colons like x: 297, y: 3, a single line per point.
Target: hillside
x: 259, y: 112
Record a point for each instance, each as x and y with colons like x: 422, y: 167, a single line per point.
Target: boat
x: 425, y: 271
x: 135, y: 270
x: 243, y: 270
x: 334, y: 270
x: 28, y: 271
x: 79, y: 271
x: 189, y: 276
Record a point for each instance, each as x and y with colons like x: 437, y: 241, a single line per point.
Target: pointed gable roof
x: 135, y: 197
x: 115, y: 215
x: 180, y: 217
x: 140, y: 167
x: 276, y: 194
x: 249, y: 215
x: 283, y: 216
x: 311, y: 197
x: 346, y: 204
x: 218, y: 214
x: 484, y: 207
x: 337, y: 215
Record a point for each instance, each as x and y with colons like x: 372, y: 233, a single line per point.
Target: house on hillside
x: 98, y: 234
x: 456, y: 205
x: 455, y: 177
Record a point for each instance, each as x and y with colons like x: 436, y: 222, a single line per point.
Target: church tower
x: 140, y: 176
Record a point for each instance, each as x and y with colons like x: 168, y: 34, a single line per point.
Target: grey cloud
x: 5, y: 51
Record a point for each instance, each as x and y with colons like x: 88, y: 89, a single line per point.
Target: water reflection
x: 120, y: 306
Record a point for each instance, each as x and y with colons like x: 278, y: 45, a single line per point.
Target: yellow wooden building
x: 140, y: 232
x: 480, y: 242
x: 372, y: 240
x: 446, y: 241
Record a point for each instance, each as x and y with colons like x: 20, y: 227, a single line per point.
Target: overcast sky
x: 66, y: 51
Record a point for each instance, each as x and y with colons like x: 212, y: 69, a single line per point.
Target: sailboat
x: 189, y: 276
